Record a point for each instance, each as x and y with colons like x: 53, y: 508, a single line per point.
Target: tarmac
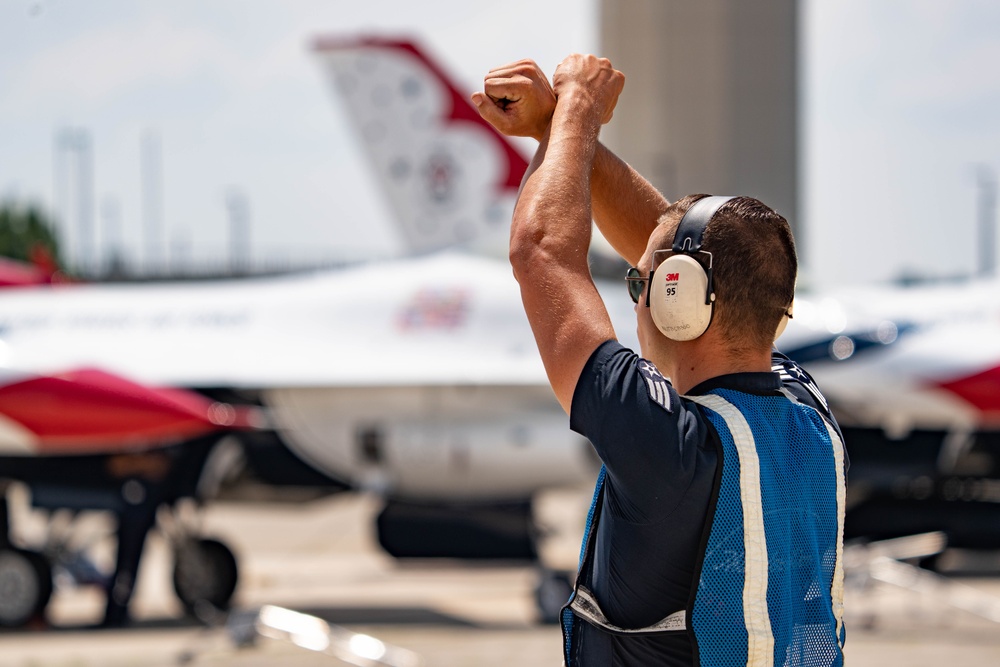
x: 321, y: 558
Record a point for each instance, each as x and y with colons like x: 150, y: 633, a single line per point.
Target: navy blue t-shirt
x: 661, y: 457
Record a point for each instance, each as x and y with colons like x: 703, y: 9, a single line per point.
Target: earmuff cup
x: 677, y: 298
x: 681, y: 295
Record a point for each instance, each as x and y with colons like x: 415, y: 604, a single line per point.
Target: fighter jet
x: 913, y: 375
x: 415, y: 377
x: 89, y: 440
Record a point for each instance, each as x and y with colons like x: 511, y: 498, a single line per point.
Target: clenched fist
x: 517, y: 100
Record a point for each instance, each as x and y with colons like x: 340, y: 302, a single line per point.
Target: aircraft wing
x: 904, y: 357
x: 17, y: 274
x: 446, y: 319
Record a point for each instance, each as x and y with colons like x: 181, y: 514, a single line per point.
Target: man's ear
x: 787, y: 315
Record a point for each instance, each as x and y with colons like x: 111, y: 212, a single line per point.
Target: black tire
x: 205, y: 572
x: 551, y: 594
x: 25, y: 586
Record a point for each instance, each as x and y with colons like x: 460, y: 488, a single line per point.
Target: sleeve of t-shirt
x: 645, y: 435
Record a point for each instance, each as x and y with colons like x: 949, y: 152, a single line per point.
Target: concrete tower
x: 710, y: 100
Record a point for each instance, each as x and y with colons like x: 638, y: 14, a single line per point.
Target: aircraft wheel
x: 551, y: 593
x: 204, y: 572
x: 25, y: 586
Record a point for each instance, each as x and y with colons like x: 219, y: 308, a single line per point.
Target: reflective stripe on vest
x: 585, y: 606
x: 760, y: 640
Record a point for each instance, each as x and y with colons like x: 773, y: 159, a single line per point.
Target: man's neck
x: 696, y: 361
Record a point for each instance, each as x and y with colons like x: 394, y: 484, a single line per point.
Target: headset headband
x: 687, y: 238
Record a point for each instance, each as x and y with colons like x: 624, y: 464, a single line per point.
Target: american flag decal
x: 435, y: 309
x: 656, y: 384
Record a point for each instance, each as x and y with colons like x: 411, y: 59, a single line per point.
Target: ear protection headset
x: 681, y: 297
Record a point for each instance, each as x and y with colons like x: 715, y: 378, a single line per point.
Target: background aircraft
x: 85, y: 440
x: 913, y: 374
x: 14, y: 273
x: 417, y: 378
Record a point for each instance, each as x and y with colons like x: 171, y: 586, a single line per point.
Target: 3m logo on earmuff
x: 670, y: 288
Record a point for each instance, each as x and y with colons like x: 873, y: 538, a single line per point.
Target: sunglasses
x: 636, y: 283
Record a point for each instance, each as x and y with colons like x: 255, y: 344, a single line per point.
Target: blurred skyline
x: 898, y: 121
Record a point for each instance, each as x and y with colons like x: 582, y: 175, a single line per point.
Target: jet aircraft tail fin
x: 450, y: 178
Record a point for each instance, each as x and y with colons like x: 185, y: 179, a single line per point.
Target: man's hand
x: 517, y: 100
x: 592, y: 83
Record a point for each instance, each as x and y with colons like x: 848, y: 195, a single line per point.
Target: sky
x: 900, y: 114
x: 899, y: 101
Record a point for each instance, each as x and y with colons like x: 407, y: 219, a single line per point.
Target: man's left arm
x: 550, y: 230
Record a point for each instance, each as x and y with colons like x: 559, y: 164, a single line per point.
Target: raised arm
x: 519, y: 101
x: 550, y: 230
x: 626, y: 206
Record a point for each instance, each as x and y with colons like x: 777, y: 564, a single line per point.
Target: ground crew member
x: 715, y: 537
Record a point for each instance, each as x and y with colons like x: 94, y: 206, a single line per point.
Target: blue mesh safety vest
x: 769, y: 592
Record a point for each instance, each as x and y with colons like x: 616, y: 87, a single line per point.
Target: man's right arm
x: 626, y: 207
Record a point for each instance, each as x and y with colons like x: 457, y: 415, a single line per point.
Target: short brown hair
x: 754, y: 264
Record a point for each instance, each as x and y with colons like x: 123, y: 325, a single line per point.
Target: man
x: 717, y: 524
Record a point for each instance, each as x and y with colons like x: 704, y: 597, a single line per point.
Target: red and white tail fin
x: 449, y: 176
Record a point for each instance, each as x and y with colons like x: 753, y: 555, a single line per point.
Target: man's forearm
x: 626, y: 207
x: 553, y: 211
